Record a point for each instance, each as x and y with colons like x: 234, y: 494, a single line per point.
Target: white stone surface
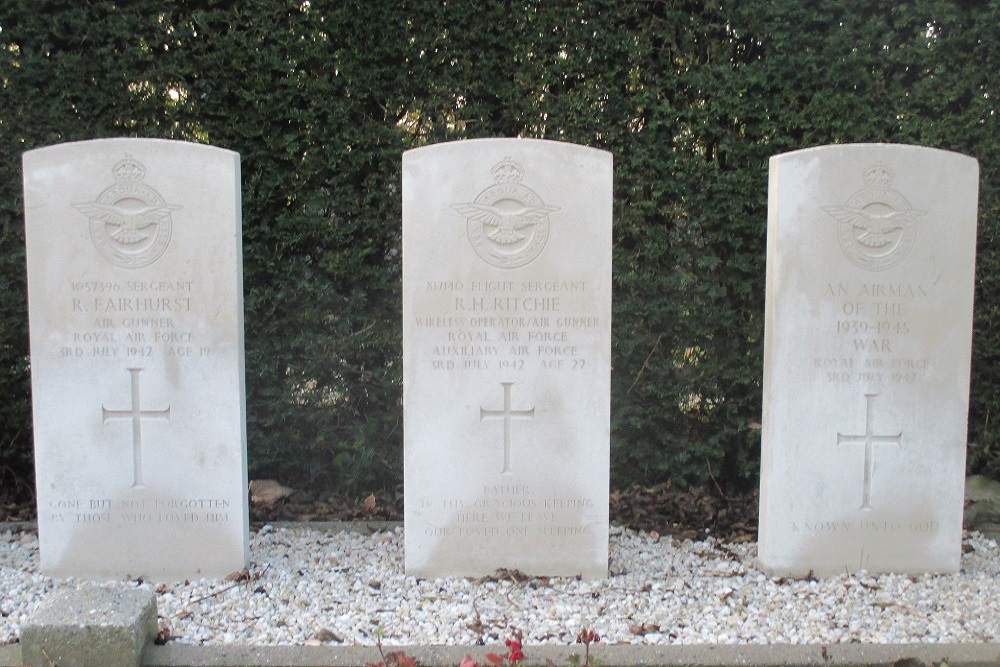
x: 136, y: 315
x: 506, y: 357
x: 870, y: 268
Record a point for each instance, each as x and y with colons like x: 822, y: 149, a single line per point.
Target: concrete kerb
x: 836, y: 655
x: 842, y: 655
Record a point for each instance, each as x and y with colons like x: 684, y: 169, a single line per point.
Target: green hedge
x: 321, y: 98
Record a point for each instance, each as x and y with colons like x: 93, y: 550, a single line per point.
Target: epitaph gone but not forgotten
x: 136, y: 319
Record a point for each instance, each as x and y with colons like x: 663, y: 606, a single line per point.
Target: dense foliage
x: 321, y: 98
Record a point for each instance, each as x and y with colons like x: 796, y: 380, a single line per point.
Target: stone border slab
x: 90, y: 627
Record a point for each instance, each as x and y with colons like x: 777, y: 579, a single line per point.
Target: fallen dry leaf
x: 401, y: 659
x: 238, y: 575
x: 266, y: 492
x: 327, y: 635
x: 643, y: 628
x: 163, y: 636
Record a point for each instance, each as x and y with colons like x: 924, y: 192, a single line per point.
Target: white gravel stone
x: 661, y: 592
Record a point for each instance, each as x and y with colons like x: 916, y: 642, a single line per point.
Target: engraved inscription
x: 508, y: 325
x: 876, y: 226
x: 863, y: 528
x: 508, y: 224
x: 130, y: 222
x: 874, y: 322
x: 126, y: 511
x: 512, y: 510
x: 134, y: 319
x: 506, y: 414
x: 136, y: 414
x: 870, y: 439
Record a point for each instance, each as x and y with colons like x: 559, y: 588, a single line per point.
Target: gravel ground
x: 310, y: 587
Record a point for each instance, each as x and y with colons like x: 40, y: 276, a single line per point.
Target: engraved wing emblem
x: 130, y: 222
x: 873, y: 228
x: 506, y: 225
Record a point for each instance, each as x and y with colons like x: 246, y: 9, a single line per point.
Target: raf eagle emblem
x: 130, y: 222
x: 508, y: 223
x: 876, y: 226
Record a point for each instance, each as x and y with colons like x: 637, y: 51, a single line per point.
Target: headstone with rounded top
x: 506, y: 357
x: 136, y: 320
x: 868, y: 331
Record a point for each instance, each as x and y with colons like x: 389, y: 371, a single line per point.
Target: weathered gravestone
x: 868, y: 330
x: 136, y: 318
x: 506, y: 357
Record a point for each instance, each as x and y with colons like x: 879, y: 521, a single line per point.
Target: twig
x: 644, y: 364
x: 511, y: 601
x: 233, y: 585
x: 711, y: 476
x: 218, y: 592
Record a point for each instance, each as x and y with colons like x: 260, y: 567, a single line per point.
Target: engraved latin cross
x: 507, y: 414
x: 870, y: 440
x: 136, y: 414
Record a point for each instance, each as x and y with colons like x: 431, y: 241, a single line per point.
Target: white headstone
x: 506, y: 357
x: 868, y: 332
x: 136, y: 315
